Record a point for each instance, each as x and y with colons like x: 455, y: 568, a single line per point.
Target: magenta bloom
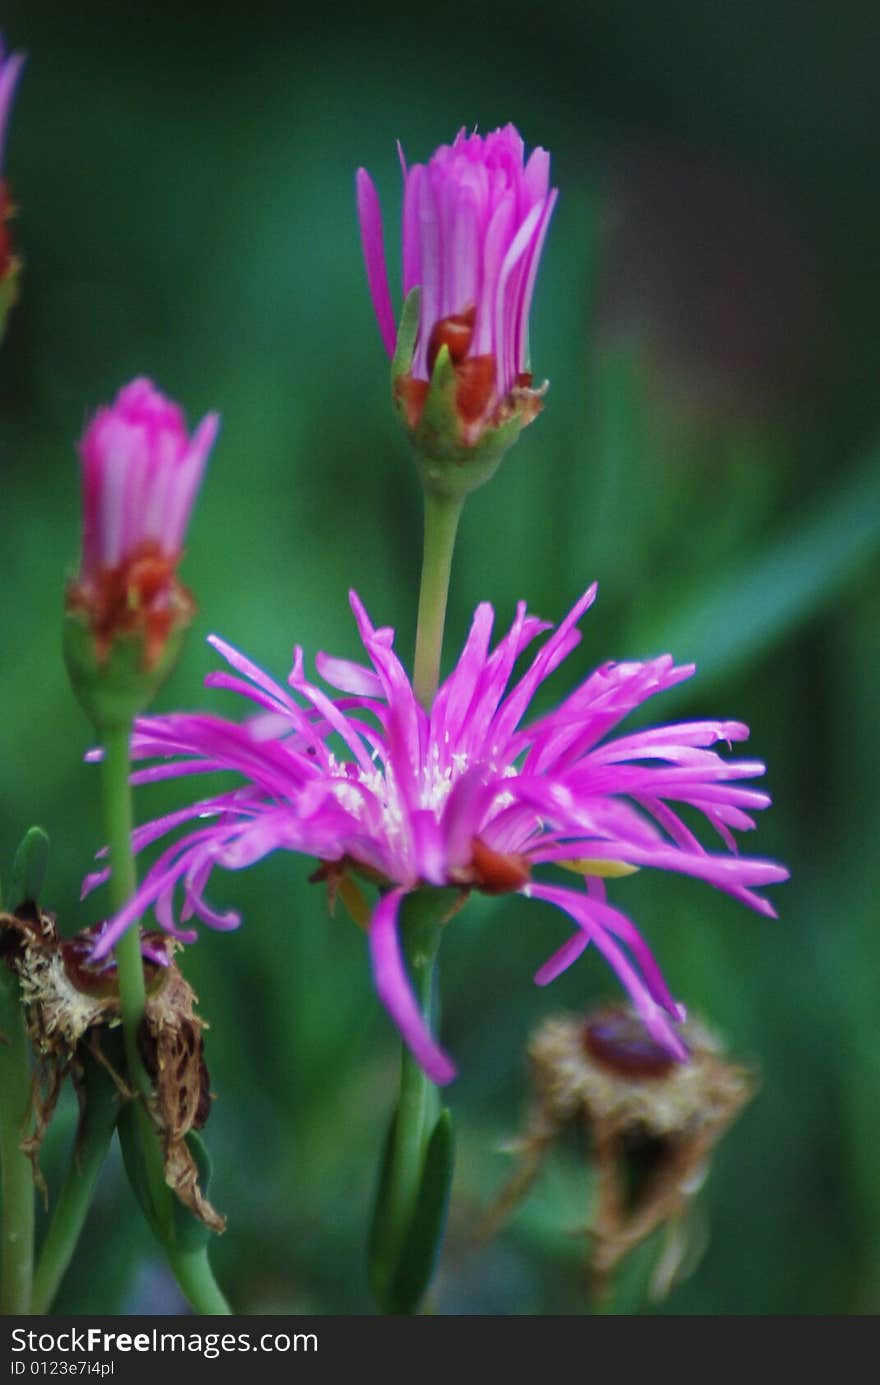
x: 464, y: 795
x: 10, y: 68
x: 474, y: 221
x: 140, y: 474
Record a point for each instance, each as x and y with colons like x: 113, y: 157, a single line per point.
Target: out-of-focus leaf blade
x: 749, y: 609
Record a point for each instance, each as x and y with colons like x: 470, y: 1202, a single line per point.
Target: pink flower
x: 474, y: 221
x: 464, y: 795
x: 10, y: 68
x: 140, y: 474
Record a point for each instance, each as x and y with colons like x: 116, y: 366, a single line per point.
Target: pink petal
x: 395, y: 992
x: 373, y: 242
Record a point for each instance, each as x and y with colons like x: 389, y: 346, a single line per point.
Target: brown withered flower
x: 651, y: 1123
x: 71, y: 1006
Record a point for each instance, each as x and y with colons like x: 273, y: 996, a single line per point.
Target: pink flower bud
x: 140, y: 474
x: 10, y: 67
x: 474, y: 221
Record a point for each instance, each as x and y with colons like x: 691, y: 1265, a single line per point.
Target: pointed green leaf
x: 421, y: 1248
x: 378, y: 1270
x: 135, y: 1167
x: 29, y: 868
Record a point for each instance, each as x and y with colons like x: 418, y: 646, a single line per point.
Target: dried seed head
x: 652, y: 1122
x: 71, y: 1001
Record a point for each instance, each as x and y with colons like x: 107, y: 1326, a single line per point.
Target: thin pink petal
x: 373, y: 242
x: 395, y: 992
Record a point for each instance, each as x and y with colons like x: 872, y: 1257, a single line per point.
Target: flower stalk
x: 442, y: 514
x: 127, y: 953
x: 195, y: 1279
x: 189, y: 1265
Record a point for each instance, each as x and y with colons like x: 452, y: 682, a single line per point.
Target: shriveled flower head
x: 141, y: 471
x: 474, y: 221
x: 463, y: 796
x: 10, y: 69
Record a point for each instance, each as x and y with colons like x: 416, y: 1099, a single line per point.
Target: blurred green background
x: 707, y: 314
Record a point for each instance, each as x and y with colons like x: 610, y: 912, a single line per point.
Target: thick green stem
x: 17, y: 1259
x: 441, y: 524
x: 99, y: 1113
x: 196, y: 1280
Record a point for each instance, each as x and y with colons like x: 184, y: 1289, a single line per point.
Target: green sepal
x: 415, y: 1268
x: 29, y: 868
x: 118, y: 687
x: 449, y: 466
x: 8, y: 294
x: 407, y: 331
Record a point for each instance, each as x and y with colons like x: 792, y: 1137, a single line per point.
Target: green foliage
x: 29, y: 867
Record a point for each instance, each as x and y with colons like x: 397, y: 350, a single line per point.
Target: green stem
x: 118, y: 822
x: 418, y: 1095
x: 441, y: 524
x: 100, y: 1110
x: 196, y: 1280
x: 17, y: 1258
x: 190, y: 1267
x: 418, y: 1104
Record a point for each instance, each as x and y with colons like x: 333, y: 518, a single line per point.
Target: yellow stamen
x: 607, y: 870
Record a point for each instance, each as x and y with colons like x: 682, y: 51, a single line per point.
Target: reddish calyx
x: 475, y: 397
x: 140, y: 596
x: 494, y: 872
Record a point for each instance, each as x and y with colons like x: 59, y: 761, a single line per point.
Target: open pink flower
x: 140, y: 475
x: 474, y: 221
x: 465, y: 795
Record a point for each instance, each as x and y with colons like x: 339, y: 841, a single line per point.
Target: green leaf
x: 749, y: 609
x: 378, y: 1273
x: 415, y: 1268
x: 29, y: 867
x: 135, y: 1167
